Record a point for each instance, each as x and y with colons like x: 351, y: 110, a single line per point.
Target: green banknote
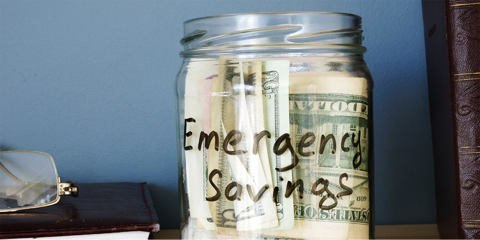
x: 329, y: 133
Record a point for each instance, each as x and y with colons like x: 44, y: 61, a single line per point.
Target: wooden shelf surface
x: 410, y: 231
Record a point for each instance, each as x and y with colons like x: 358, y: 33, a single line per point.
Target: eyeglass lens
x: 27, y: 179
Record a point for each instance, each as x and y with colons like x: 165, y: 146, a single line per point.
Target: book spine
x: 463, y: 40
x: 441, y: 115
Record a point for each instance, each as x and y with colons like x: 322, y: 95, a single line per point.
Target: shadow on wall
x: 5, y: 148
x: 166, y: 204
x: 402, y: 121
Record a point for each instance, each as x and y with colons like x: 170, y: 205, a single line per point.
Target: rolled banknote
x: 329, y: 127
x: 275, y: 84
x: 236, y: 163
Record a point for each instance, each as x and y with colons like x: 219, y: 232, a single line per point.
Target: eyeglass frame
x: 63, y: 189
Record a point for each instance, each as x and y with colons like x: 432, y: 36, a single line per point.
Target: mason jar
x: 274, y: 127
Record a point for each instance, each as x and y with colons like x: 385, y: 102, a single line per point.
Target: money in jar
x: 274, y: 127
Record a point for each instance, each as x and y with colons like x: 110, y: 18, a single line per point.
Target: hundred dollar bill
x: 270, y: 90
x: 229, y: 112
x: 275, y: 83
x: 252, y: 76
x: 197, y: 94
x: 257, y: 167
x: 222, y: 210
x: 333, y: 108
x: 205, y: 89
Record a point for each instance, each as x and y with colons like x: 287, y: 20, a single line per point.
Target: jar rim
x: 269, y: 13
x: 273, y: 28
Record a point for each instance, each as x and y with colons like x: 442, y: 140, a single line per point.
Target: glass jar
x: 274, y: 127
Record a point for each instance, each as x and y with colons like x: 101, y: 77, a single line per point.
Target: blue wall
x: 92, y: 83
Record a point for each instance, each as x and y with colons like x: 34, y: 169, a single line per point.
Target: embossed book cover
x: 452, y: 40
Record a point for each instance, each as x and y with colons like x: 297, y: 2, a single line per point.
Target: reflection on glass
x: 27, y: 179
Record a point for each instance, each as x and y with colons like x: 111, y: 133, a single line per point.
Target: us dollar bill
x: 197, y: 94
x: 229, y: 112
x: 222, y: 210
x: 255, y: 107
x: 250, y: 116
x: 275, y: 83
x: 331, y: 106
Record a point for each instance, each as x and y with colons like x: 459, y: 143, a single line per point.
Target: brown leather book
x: 452, y: 45
x: 99, y: 208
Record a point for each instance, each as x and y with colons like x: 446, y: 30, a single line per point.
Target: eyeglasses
x: 28, y: 179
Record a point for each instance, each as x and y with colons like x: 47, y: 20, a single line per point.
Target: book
x: 452, y: 46
x: 122, y: 210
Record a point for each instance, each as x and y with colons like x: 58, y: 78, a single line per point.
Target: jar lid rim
x: 269, y: 13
